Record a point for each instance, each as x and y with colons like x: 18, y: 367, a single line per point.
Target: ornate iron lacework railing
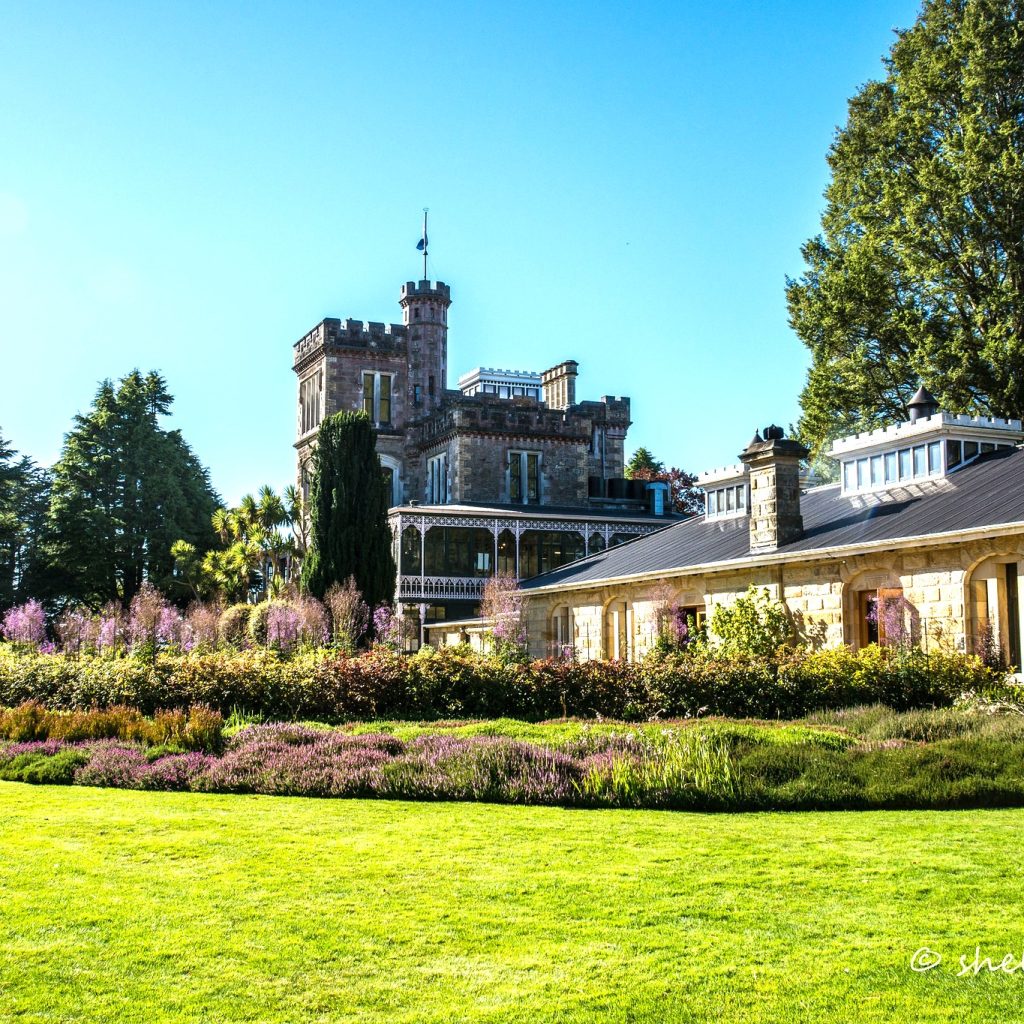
x: 436, y: 588
x: 546, y: 525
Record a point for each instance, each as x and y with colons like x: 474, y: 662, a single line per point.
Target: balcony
x: 440, y: 588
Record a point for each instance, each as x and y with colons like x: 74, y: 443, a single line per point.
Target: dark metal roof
x: 987, y: 492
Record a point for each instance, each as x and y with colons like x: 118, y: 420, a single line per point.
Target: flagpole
x: 424, y: 243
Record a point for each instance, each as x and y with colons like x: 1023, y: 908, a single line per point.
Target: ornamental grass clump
x: 680, y: 770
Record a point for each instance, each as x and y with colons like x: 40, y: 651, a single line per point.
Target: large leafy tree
x: 124, y: 490
x: 348, y: 532
x: 24, y: 494
x: 918, y: 273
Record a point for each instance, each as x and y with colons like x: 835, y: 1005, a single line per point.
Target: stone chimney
x: 559, y: 385
x: 774, y: 464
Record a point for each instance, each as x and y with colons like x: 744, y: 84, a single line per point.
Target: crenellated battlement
x: 349, y: 333
x: 517, y: 417
x: 937, y: 423
x: 722, y: 474
x: 426, y: 289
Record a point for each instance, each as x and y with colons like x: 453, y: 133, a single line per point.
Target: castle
x: 506, y: 473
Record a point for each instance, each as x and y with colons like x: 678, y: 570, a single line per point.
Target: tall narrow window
x: 524, y: 478
x: 310, y: 412
x: 437, y: 479
x: 377, y: 388
x: 368, y: 390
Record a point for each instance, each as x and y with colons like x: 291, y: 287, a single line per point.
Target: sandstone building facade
x: 509, y: 472
x: 921, y: 541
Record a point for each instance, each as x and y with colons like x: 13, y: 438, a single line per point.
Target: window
x: 905, y: 473
x: 849, y: 480
x: 862, y: 473
x: 724, y: 501
x: 934, y: 457
x: 970, y: 450
x: 310, y: 410
x: 891, y: 474
x: 876, y: 470
x: 954, y: 455
x: 437, y: 479
x: 919, y: 460
x: 524, y: 477
x: 377, y: 397
x: 417, y: 394
x: 562, y: 632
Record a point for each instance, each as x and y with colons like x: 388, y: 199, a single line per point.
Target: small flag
x: 422, y: 244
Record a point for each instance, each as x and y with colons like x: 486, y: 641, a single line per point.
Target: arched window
x: 563, y: 639
x: 618, y: 631
x: 393, y: 474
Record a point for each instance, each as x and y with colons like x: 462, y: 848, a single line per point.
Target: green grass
x: 126, y: 906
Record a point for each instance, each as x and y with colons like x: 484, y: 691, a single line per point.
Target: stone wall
x: 822, y: 596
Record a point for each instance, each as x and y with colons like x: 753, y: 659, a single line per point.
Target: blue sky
x: 191, y: 187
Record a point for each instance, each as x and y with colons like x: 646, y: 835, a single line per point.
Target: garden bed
x: 861, y: 759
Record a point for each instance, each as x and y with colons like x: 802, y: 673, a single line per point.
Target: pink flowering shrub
x: 25, y: 624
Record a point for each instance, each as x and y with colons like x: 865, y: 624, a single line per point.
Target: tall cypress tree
x: 349, y: 533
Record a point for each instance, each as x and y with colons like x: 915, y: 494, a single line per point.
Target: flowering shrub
x: 387, y: 628
x: 326, y: 685
x: 25, y: 624
x: 349, y: 614
x: 112, y: 634
x: 201, y: 628
x: 502, y: 604
x: 753, y: 626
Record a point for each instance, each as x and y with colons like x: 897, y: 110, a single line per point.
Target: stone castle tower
x: 500, y: 440
x: 425, y: 318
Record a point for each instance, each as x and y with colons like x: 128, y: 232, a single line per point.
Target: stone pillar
x: 774, y: 463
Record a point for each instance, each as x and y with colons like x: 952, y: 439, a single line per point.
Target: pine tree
x: 349, y: 535
x: 24, y: 491
x: 124, y: 490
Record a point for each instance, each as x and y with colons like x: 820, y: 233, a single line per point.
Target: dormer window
x: 727, y: 501
x: 929, y: 446
x: 726, y: 492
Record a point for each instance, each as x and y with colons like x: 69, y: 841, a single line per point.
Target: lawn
x: 133, y: 906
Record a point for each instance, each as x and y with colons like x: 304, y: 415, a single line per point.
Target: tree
x: 124, y: 490
x: 643, y: 462
x: 687, y: 499
x: 252, y: 557
x: 24, y: 495
x: 348, y: 534
x: 918, y: 273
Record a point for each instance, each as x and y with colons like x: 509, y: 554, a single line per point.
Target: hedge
x: 455, y: 683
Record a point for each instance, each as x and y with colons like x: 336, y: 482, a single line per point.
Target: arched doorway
x: 993, y: 611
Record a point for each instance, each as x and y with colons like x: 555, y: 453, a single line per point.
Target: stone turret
x: 773, y: 462
x: 425, y: 315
